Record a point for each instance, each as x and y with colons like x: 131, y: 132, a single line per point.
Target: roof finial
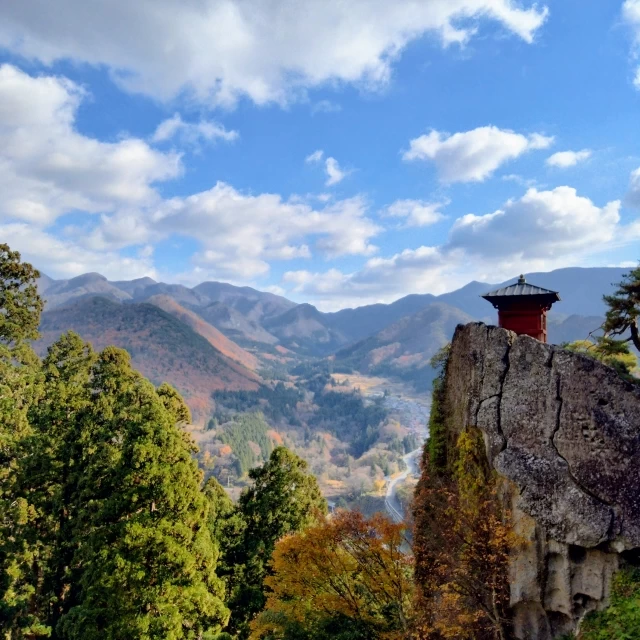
x: 521, y: 279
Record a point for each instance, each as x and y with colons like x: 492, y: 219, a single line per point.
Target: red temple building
x: 523, y: 307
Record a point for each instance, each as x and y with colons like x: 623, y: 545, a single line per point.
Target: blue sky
x: 340, y: 153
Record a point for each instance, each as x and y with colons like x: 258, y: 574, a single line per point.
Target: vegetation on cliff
x: 621, y: 620
x: 461, y: 538
x: 624, y: 308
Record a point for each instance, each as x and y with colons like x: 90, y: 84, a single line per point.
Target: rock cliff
x: 563, y: 433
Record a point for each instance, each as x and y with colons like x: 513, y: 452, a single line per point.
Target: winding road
x: 391, y: 501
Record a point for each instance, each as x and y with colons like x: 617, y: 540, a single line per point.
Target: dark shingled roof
x: 521, y: 288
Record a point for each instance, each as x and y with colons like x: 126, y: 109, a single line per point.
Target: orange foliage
x: 275, y: 436
x: 348, y: 566
x: 225, y: 450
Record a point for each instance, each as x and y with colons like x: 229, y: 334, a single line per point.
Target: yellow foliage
x: 347, y: 565
x: 462, y: 544
x: 379, y: 485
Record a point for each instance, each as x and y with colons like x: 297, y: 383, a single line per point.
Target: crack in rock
x: 554, y: 445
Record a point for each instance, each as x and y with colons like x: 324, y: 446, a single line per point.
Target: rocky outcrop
x: 563, y: 432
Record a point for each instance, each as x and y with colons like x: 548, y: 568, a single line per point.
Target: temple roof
x: 520, y: 289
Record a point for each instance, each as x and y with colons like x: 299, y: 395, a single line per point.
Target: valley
x: 348, y: 391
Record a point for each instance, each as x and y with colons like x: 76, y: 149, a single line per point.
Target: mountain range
x: 216, y: 335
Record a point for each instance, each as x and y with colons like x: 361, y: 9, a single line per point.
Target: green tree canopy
x: 285, y: 498
x: 20, y: 304
x: 20, y: 390
x: 148, y: 561
x: 624, y: 308
x: 614, y: 353
x: 174, y: 404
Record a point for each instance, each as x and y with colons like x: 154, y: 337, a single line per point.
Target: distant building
x: 523, y: 307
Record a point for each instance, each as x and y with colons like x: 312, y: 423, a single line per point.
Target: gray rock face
x: 563, y: 431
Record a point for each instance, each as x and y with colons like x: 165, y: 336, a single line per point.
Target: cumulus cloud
x: 472, y: 156
x: 566, y: 159
x: 633, y: 194
x: 66, y: 258
x: 540, y: 225
x: 335, y: 173
x: 542, y: 230
x: 417, y: 213
x: 47, y: 168
x: 240, y: 234
x: 268, y: 50
x: 192, y: 132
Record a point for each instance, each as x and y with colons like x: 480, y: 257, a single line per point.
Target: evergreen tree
x: 42, y: 480
x: 624, y: 308
x: 226, y: 525
x: 284, y: 499
x: 436, y: 448
x: 146, y: 555
x: 174, y: 403
x: 20, y: 388
x: 19, y: 300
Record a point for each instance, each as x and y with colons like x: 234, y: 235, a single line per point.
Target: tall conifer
x: 148, y: 562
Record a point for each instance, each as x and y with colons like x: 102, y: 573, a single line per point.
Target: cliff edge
x: 563, y: 433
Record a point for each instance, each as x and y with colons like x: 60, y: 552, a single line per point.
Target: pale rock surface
x: 563, y: 432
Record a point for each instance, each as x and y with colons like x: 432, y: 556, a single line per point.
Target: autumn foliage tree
x: 462, y: 544
x: 346, y: 577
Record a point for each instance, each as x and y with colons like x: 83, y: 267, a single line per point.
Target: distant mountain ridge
x: 251, y: 328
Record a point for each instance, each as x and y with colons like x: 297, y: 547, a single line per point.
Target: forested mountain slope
x: 212, y: 335
x: 162, y: 347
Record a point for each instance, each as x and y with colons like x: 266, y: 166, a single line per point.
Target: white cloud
x: 633, y: 194
x: 473, y: 156
x: 334, y: 173
x: 417, y: 213
x: 543, y: 230
x: 540, y: 225
x: 192, y: 132
x: 217, y: 50
x: 420, y: 270
x: 65, y: 258
x: 631, y: 15
x: 565, y: 159
x: 240, y: 233
x: 316, y: 156
x: 47, y: 168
